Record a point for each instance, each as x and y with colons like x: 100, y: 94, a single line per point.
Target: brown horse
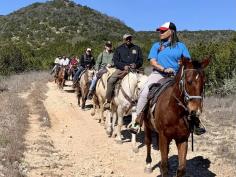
x: 61, y: 77
x: 180, y: 100
x: 82, y: 87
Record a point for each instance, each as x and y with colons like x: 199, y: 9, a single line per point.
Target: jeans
x: 111, y: 84
x: 96, y: 77
x: 78, y: 72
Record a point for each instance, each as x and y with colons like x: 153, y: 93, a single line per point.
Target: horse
x: 56, y: 73
x: 100, y: 94
x: 61, y: 77
x: 169, y: 119
x: 71, y: 71
x: 123, y: 104
x: 82, y: 87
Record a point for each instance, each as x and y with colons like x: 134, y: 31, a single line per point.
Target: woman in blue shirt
x: 164, y: 57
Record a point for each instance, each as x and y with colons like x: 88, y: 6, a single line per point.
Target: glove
x: 169, y: 70
x: 108, y: 65
x: 126, y: 68
x: 133, y: 65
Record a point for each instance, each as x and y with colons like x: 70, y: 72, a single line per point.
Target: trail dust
x: 76, y: 145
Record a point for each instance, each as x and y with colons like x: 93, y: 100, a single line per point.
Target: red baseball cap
x: 167, y: 26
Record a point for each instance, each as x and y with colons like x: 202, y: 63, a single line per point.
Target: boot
x: 90, y: 95
x: 136, y: 127
x: 199, y: 129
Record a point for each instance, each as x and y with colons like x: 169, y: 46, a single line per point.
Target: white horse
x: 123, y: 104
x: 100, y: 94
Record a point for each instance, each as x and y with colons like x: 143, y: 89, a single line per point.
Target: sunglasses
x: 162, y: 31
x: 128, y: 39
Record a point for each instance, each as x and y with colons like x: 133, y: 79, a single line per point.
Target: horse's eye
x: 190, y: 82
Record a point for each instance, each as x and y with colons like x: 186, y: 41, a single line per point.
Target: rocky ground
x: 74, y: 144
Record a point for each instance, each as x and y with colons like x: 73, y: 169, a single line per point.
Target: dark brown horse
x: 175, y: 104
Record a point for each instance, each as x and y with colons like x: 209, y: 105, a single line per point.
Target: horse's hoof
x: 135, y: 150
x: 108, y: 133
x: 119, y: 141
x: 147, y: 170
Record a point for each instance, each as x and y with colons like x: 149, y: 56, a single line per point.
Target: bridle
x: 187, y: 96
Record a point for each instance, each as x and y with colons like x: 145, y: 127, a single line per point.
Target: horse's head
x: 191, y: 82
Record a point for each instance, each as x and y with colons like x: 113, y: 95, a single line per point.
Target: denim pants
x: 78, y: 72
x: 96, y: 77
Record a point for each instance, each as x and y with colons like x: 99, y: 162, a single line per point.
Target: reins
x: 131, y: 100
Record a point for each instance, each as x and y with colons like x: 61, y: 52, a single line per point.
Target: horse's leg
x: 133, y: 139
x: 113, y: 123
x: 182, y: 153
x: 78, y: 95
x: 83, y: 101
x: 148, y: 142
x: 102, y: 117
x: 108, y: 124
x: 119, y: 125
x: 164, y: 148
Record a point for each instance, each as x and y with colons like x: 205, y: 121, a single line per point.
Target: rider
x: 64, y: 61
x: 164, y: 57
x: 86, y: 61
x: 104, y: 60
x: 126, y: 55
x: 56, y: 64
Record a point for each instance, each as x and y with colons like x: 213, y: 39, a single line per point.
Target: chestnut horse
x: 180, y: 100
x: 61, y: 77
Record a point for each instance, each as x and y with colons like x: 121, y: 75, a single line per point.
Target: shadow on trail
x: 196, y: 167
x: 69, y: 91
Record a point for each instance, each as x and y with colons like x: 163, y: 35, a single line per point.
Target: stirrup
x: 134, y: 128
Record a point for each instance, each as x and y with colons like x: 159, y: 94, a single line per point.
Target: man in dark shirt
x: 86, y: 61
x: 126, y: 55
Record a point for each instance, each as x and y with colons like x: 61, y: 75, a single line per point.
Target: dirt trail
x: 76, y: 145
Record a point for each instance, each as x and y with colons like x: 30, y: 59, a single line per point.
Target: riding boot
x: 135, y: 128
x: 90, y: 95
x: 198, y: 128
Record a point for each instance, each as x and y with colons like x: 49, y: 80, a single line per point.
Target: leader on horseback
x: 164, y: 57
x: 127, y: 55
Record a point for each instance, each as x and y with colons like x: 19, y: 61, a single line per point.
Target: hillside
x: 31, y: 37
x: 41, y: 24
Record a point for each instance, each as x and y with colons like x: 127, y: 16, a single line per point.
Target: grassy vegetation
x: 13, y: 117
x: 32, y: 37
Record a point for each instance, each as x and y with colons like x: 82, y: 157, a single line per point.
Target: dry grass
x: 13, y: 117
x: 220, y: 121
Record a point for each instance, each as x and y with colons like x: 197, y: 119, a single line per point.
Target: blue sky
x: 148, y: 14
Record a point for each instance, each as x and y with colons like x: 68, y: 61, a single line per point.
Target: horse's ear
x: 205, y: 62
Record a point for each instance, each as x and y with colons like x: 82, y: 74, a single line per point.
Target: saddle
x: 156, y: 89
x: 109, y: 72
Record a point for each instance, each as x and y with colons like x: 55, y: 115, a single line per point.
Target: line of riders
x: 164, y: 57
